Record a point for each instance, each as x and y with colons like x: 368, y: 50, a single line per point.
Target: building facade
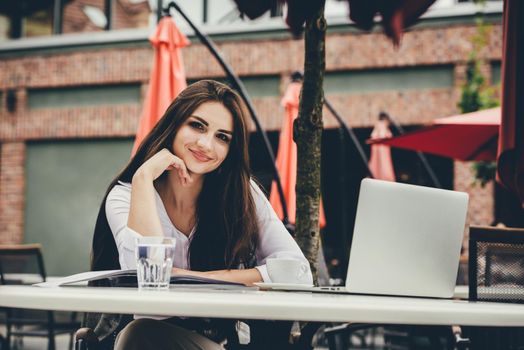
x: 70, y: 105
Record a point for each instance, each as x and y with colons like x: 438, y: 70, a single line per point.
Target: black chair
x: 395, y: 337
x: 99, y: 331
x: 496, y: 274
x: 349, y: 335
x: 264, y: 335
x: 24, y: 264
x: 496, y: 264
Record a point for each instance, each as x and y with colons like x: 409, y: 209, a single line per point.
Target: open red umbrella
x: 168, y: 76
x: 510, y: 165
x: 470, y: 136
x: 287, y: 158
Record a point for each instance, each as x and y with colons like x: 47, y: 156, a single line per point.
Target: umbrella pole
x: 344, y: 227
x: 237, y: 84
x: 420, y: 155
x: 349, y: 131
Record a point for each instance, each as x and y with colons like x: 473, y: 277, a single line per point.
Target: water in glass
x: 154, y: 263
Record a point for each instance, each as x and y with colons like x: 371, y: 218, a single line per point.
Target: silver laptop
x: 406, y: 241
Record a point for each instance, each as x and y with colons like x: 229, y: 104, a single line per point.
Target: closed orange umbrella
x: 510, y: 162
x: 168, y: 76
x: 287, y: 158
x: 380, y: 162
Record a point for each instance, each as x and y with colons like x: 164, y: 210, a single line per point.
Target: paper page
x: 83, y: 277
x: 119, y: 275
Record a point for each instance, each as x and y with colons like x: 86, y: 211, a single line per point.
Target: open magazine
x: 125, y: 278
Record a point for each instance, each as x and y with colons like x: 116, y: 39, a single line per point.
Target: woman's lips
x: 200, y: 156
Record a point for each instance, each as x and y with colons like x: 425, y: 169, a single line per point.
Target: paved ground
x: 30, y: 343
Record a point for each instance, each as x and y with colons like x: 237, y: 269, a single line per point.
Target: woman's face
x: 203, y: 140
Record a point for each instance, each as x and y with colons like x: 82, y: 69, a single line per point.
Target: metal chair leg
x: 3, y: 343
x: 72, y: 335
x: 51, y: 345
x: 85, y: 339
x: 80, y: 345
x: 460, y: 342
x: 8, y: 325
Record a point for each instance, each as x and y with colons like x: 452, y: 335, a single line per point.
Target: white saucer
x: 283, y: 286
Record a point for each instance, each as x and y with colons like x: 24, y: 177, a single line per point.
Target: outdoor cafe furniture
x: 249, y: 303
x: 24, y: 264
x: 496, y: 274
x: 476, y: 315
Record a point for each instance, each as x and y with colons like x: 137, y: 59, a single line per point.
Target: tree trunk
x: 307, y: 133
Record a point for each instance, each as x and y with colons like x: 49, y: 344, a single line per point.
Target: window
x: 29, y: 18
x: 38, y: 23
x: 99, y: 15
x: 23, y: 19
x: 5, y: 27
x: 404, y: 78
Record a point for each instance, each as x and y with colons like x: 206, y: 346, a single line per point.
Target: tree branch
x: 307, y: 133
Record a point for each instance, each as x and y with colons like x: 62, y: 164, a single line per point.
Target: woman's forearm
x: 245, y: 276
x: 143, y: 217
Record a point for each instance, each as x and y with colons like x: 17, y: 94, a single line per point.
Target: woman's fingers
x: 182, y: 177
x: 183, y: 173
x: 165, y: 160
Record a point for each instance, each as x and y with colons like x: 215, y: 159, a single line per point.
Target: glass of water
x: 154, y: 260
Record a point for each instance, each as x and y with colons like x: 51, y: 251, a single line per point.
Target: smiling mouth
x: 201, y: 157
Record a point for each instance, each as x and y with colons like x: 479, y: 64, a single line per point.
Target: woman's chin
x: 196, y: 170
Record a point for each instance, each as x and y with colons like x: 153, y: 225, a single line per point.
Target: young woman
x: 190, y: 180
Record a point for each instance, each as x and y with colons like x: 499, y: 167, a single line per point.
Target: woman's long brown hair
x: 226, y: 233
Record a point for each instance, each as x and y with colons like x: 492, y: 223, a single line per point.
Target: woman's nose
x: 204, y: 141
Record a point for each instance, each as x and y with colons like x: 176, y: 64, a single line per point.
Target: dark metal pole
x: 205, y: 5
x: 420, y: 155
x: 237, y: 84
x: 108, y: 9
x: 16, y: 26
x: 57, y: 17
x: 158, y: 10
x: 351, y: 135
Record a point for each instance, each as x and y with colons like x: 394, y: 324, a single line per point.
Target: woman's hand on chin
x: 160, y: 162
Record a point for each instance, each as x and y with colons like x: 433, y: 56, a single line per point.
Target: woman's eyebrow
x: 226, y: 131
x: 203, y: 121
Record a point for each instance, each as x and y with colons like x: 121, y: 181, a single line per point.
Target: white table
x: 27, y: 278
x: 254, y: 304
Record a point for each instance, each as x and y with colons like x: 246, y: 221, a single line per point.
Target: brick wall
x: 481, y: 199
x: 12, y: 186
x: 131, y: 65
x: 429, y: 46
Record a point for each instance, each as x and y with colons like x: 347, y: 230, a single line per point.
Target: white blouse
x: 274, y: 240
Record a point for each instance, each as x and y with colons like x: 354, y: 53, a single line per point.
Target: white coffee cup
x: 286, y: 270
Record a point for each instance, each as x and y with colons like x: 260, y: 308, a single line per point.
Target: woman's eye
x: 224, y: 138
x: 196, y: 125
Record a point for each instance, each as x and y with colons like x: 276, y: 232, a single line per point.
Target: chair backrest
x: 21, y: 264
x: 496, y: 264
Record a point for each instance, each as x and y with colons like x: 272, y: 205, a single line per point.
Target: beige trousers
x: 145, y: 333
